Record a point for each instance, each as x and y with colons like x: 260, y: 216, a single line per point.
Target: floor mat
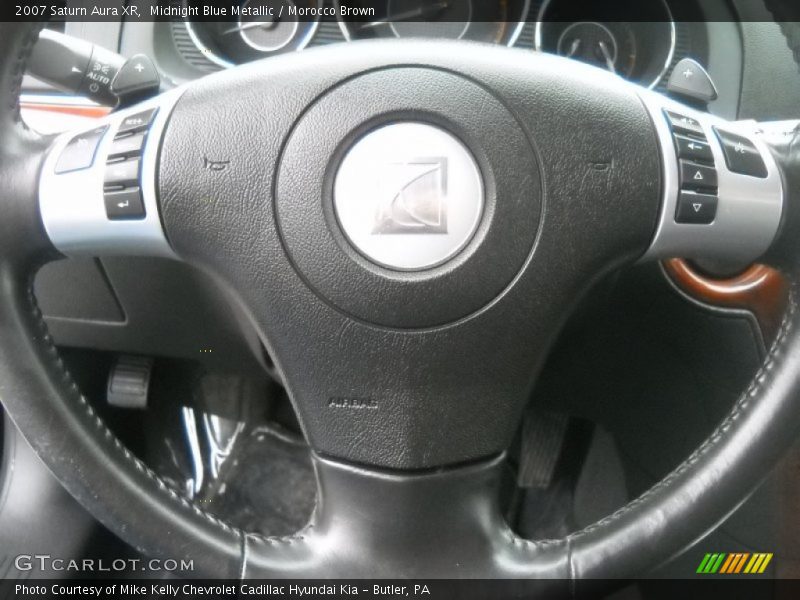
x: 267, y: 485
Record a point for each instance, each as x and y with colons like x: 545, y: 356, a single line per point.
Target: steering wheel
x: 407, y: 225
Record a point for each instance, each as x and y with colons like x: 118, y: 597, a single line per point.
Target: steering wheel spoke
x: 97, y: 188
x: 723, y: 197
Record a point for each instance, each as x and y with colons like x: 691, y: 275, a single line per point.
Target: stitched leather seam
x: 274, y: 540
x: 19, y: 72
x: 753, y: 390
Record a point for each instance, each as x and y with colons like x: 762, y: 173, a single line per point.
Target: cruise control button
x: 694, y: 175
x: 693, y: 149
x: 137, y: 122
x: 130, y: 145
x: 694, y: 208
x: 124, y: 204
x: 122, y: 174
x: 741, y: 155
x: 80, y: 151
x: 684, y: 124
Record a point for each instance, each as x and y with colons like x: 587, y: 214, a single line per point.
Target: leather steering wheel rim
x: 131, y: 500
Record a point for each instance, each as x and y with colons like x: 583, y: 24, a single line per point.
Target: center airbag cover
x: 325, y: 257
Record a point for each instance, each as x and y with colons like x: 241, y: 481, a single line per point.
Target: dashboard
x: 640, y: 41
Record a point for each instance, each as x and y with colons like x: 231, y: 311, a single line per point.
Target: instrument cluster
x: 633, y: 39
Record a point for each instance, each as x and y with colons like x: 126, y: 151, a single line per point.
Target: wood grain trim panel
x: 760, y: 290
x: 78, y: 110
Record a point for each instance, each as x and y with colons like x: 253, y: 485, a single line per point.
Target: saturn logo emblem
x: 418, y: 203
x: 408, y: 196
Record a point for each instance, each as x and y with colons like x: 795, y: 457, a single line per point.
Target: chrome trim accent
x: 72, y: 205
x: 749, y: 208
x: 537, y: 40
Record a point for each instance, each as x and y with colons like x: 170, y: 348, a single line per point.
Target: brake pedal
x: 129, y: 382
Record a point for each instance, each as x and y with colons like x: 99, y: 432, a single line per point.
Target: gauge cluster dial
x: 261, y: 28
x: 494, y: 21
x: 633, y: 39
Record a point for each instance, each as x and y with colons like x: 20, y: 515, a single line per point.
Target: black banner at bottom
x: 434, y: 589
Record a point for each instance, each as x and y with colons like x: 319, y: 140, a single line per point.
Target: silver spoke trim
x: 749, y: 208
x: 72, y: 204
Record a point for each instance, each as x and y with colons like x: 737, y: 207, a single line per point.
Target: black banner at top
x: 376, y: 12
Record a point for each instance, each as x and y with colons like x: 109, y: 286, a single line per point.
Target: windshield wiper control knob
x: 84, y: 69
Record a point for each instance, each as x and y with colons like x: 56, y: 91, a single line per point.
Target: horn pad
x: 402, y: 209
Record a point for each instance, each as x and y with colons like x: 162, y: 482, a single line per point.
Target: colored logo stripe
x: 731, y: 560
x: 711, y: 563
x: 733, y: 563
x: 758, y: 563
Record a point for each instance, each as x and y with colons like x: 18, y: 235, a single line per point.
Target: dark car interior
x: 238, y: 397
